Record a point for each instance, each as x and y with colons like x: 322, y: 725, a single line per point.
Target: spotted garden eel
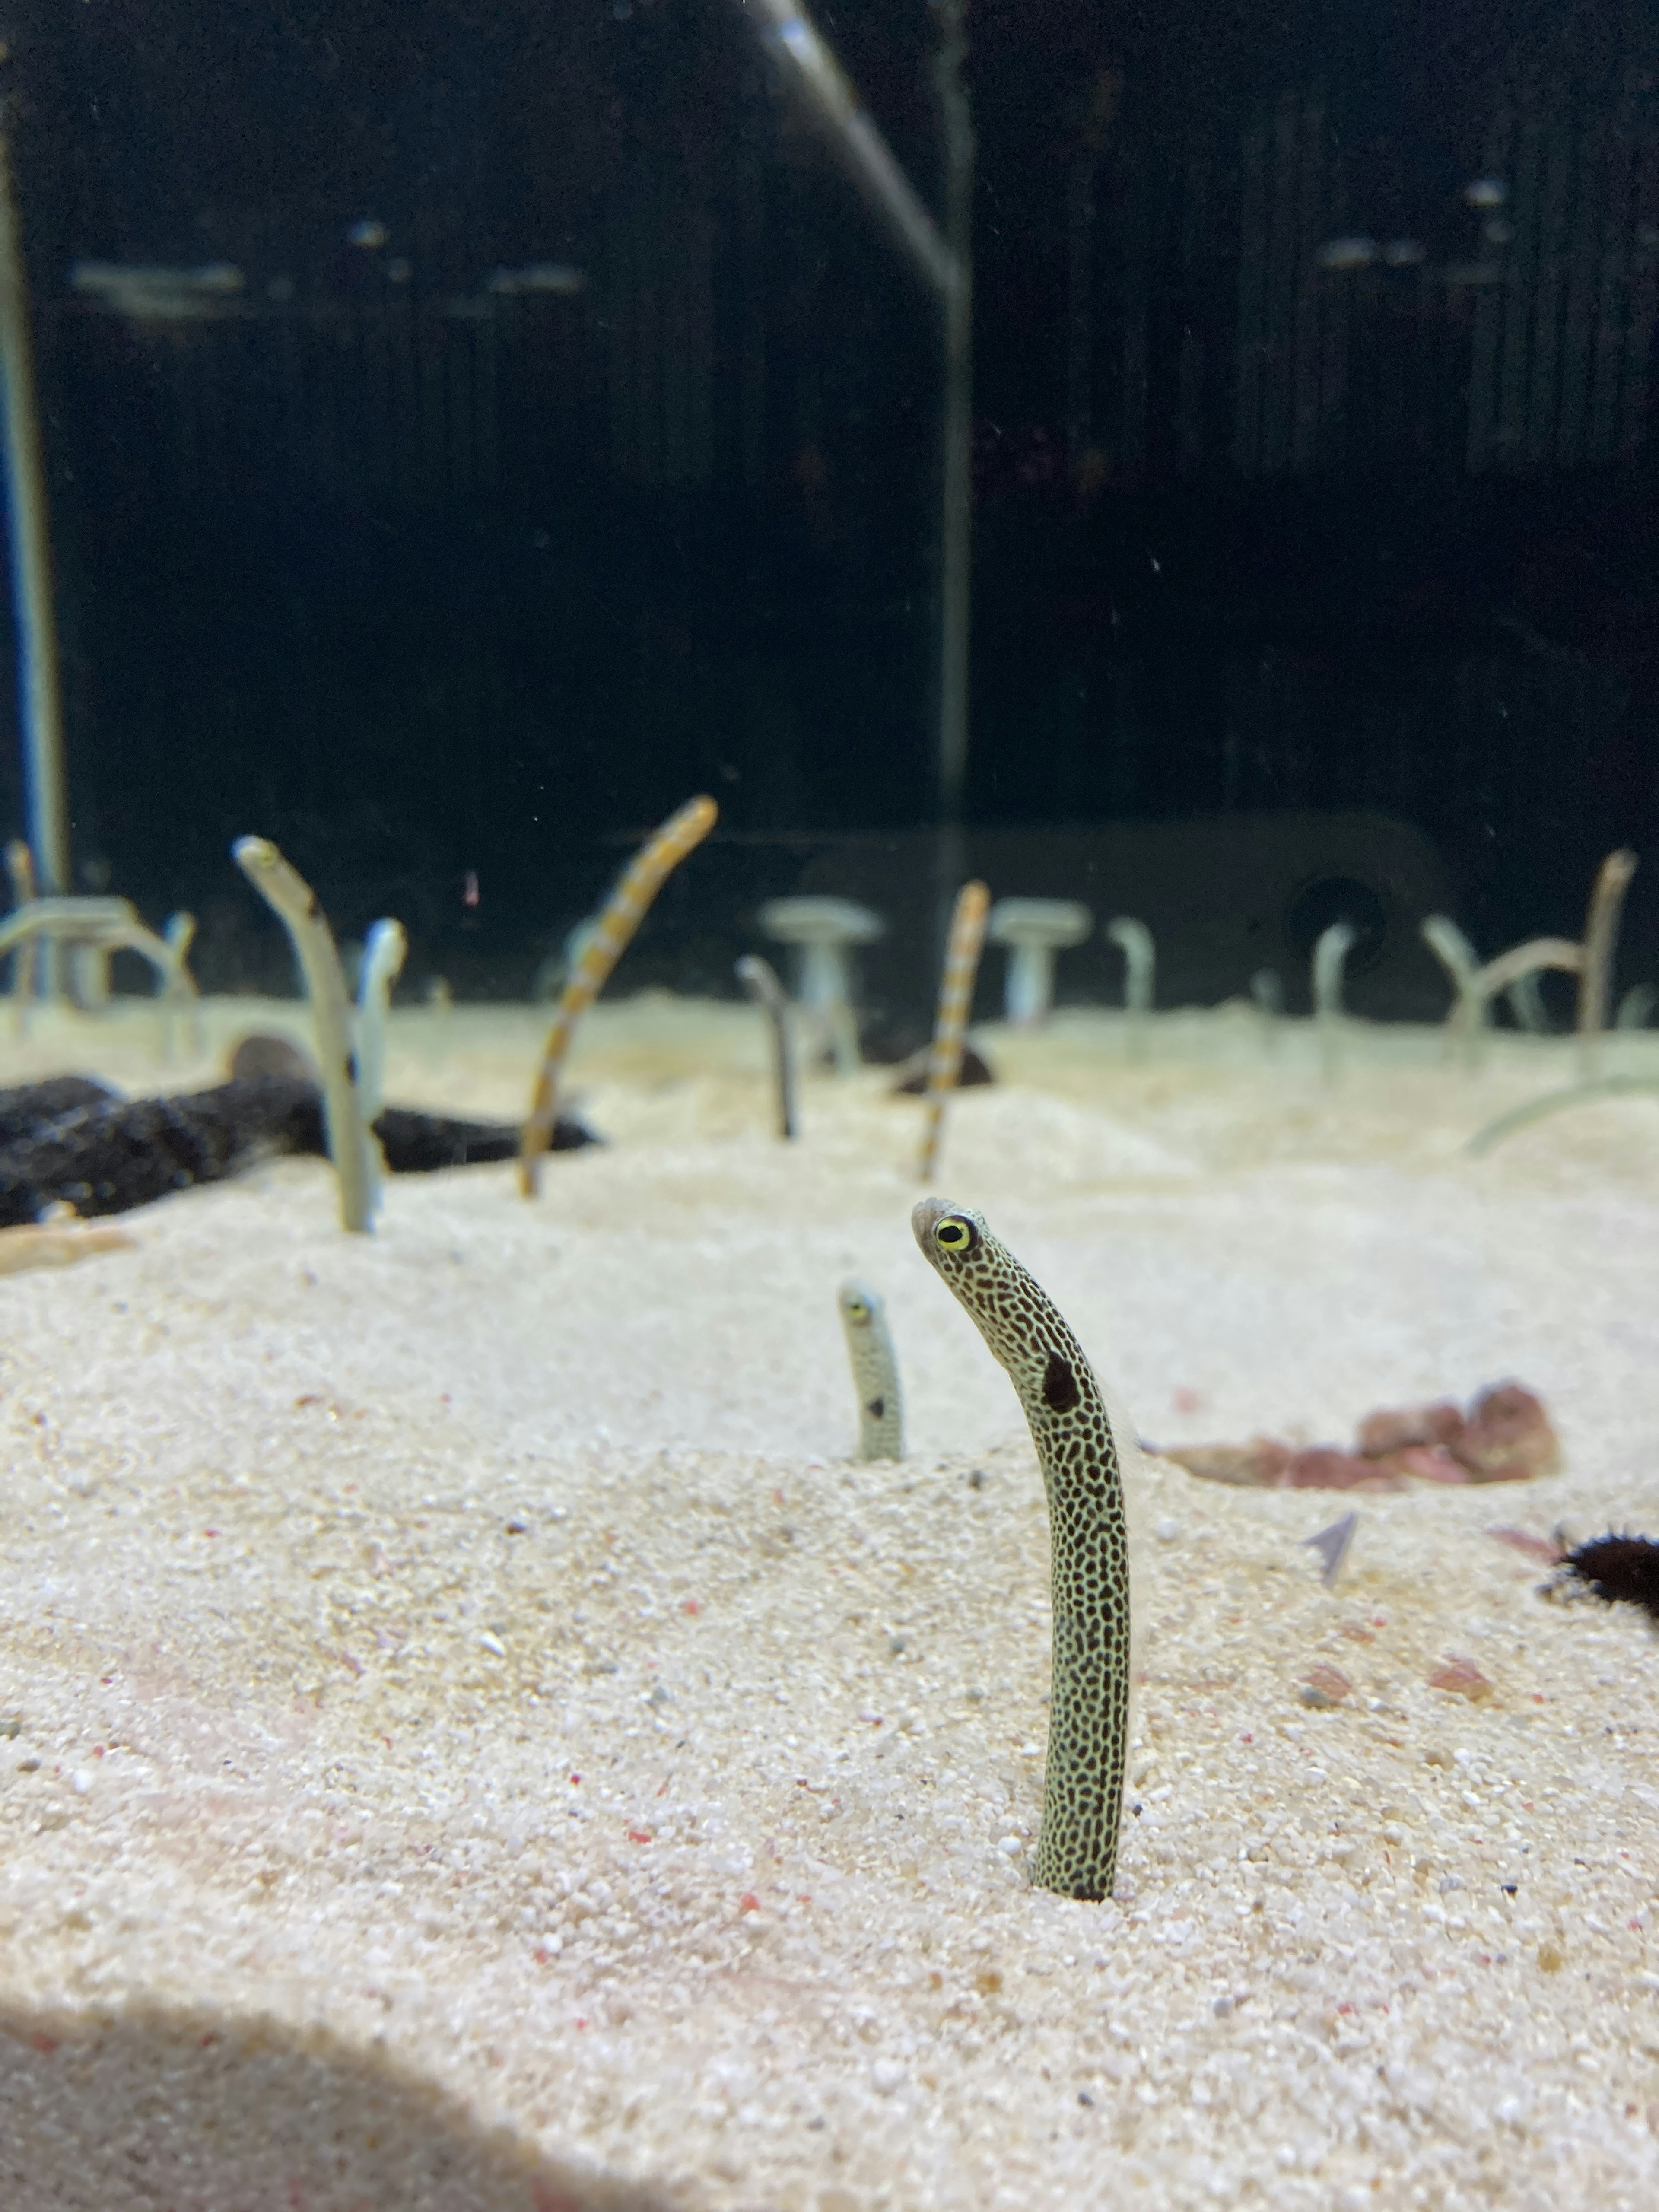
x: 1079, y: 1452
x: 875, y: 1372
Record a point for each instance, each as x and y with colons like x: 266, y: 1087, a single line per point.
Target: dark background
x: 419, y: 577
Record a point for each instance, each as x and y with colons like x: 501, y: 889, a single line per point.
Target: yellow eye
x: 857, y: 1310
x: 953, y: 1233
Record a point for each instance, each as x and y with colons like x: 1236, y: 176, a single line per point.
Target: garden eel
x: 875, y: 1372
x: 956, y: 999
x: 1576, y: 1094
x: 620, y: 916
x: 761, y: 986
x: 288, y: 895
x: 1072, y: 1428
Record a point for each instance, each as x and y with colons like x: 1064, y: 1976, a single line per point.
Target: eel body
x: 956, y: 999
x: 759, y: 980
x: 291, y: 898
x: 875, y: 1372
x: 1071, y: 1429
x: 612, y: 930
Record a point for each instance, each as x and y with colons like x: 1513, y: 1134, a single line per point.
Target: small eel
x: 1601, y: 933
x: 620, y: 916
x: 1071, y: 1429
x: 761, y: 986
x: 1576, y: 1094
x: 385, y: 949
x: 287, y: 894
x: 956, y: 998
x: 875, y: 1372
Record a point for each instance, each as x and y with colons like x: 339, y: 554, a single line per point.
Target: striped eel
x: 956, y: 999
x: 875, y: 1372
x: 620, y: 916
x: 1073, y: 1431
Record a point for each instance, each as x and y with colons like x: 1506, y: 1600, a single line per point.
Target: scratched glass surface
x: 1200, y: 471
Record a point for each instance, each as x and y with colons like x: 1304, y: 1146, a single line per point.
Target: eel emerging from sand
x: 1071, y: 1429
x: 875, y: 1372
x: 291, y: 898
x: 956, y: 999
x: 608, y: 939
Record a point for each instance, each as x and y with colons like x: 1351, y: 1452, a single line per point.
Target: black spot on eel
x: 875, y: 1372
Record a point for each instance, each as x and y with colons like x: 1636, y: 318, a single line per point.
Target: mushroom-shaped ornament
x: 824, y: 930
x: 1034, y: 930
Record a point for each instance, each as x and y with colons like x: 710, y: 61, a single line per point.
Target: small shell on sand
x: 1324, y: 1687
x: 1461, y: 1678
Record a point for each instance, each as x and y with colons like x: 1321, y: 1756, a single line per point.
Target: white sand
x: 327, y: 1565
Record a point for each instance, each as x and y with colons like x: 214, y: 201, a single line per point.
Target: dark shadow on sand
x: 153, y: 2109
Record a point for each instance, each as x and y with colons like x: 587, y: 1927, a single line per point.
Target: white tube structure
x: 825, y: 929
x: 1034, y: 930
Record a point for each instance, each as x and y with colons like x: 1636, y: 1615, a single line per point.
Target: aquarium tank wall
x: 466, y: 434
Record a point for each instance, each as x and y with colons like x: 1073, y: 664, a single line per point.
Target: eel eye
x: 856, y: 1310
x: 953, y: 1233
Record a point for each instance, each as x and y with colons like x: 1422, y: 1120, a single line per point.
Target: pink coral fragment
x: 1505, y: 1437
x: 1256, y: 1465
x: 1424, y: 1463
x: 1324, y: 1687
x: 1395, y: 1428
x: 1508, y: 1437
x: 1321, y: 1467
x: 1461, y: 1678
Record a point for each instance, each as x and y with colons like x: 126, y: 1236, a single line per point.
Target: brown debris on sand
x: 1323, y: 1686
x: 1461, y: 1678
x: 1508, y: 1438
x: 59, y: 1242
x: 1505, y: 1437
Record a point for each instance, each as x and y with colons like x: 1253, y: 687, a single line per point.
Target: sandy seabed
x: 470, y: 1737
